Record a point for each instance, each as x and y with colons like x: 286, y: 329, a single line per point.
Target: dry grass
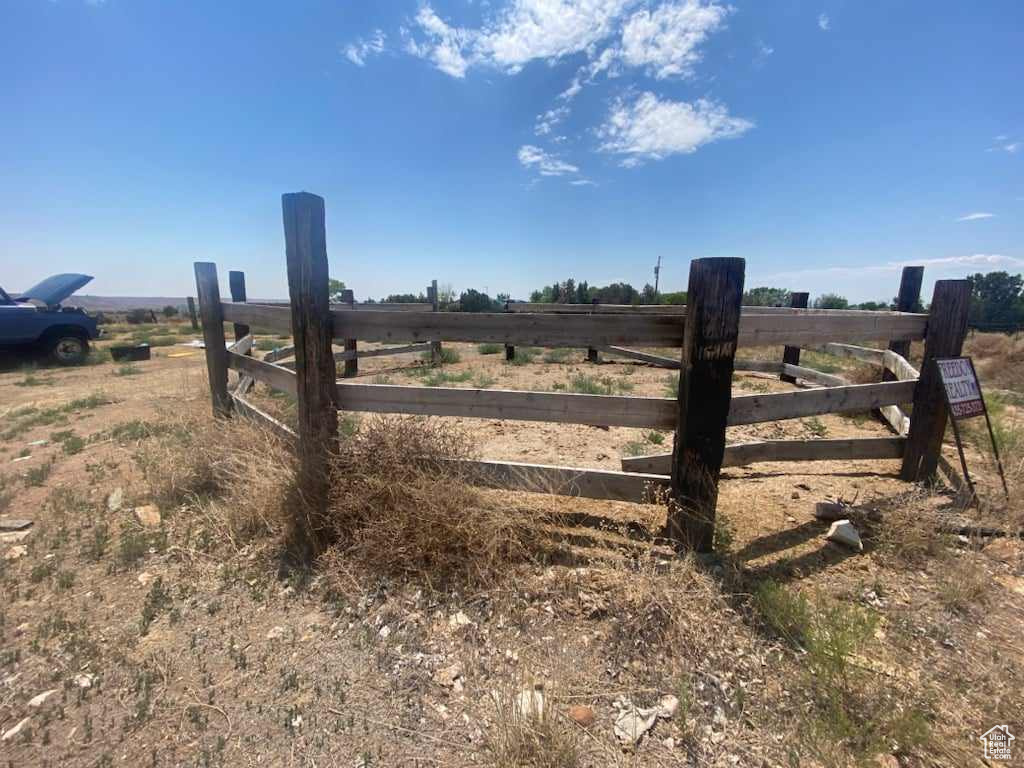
x: 999, y: 359
x: 227, y: 472
x: 400, y: 504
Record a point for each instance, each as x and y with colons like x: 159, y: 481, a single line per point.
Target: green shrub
x: 490, y: 348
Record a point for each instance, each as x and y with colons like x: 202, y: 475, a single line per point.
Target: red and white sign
x: 963, y: 393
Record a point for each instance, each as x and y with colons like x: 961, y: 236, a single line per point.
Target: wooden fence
x: 708, y: 331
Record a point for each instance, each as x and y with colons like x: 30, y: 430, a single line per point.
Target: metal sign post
x: 965, y: 401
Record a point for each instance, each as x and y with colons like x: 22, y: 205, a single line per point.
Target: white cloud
x: 976, y: 216
x: 358, y: 51
x: 1003, y: 144
x: 545, y: 163
x: 546, y: 122
x: 824, y: 24
x: 652, y: 129
x: 547, y: 29
x: 445, y: 45
x: 665, y: 40
x: 582, y: 183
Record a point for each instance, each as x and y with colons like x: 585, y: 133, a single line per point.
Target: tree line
x: 997, y: 298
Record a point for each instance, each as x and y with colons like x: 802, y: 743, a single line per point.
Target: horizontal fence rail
x: 583, y: 330
x: 570, y: 408
x: 741, y: 454
x: 604, y: 484
x: 751, y: 409
x: 561, y: 407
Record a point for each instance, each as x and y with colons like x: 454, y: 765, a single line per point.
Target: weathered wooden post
x: 712, y: 322
x: 907, y: 300
x: 510, y: 349
x: 192, y: 313
x: 305, y: 238
x: 352, y: 364
x: 236, y: 282
x: 435, y: 346
x: 593, y: 356
x: 212, y: 313
x: 947, y: 326
x: 791, y: 355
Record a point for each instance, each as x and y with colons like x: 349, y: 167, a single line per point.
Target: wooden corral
x: 708, y: 331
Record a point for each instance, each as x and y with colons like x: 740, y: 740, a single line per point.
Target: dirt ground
x: 137, y: 633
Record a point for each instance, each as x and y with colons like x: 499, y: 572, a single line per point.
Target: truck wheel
x: 69, y: 350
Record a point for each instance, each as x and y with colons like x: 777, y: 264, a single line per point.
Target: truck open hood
x: 53, y: 290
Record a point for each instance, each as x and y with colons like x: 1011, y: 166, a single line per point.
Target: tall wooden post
x: 947, y: 326
x: 510, y: 349
x: 791, y: 355
x: 593, y: 356
x: 305, y: 238
x: 192, y: 313
x: 712, y: 323
x: 907, y: 300
x: 212, y: 313
x: 435, y: 346
x: 352, y: 365
x: 236, y: 282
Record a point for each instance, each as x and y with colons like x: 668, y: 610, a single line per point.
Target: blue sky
x: 508, y: 144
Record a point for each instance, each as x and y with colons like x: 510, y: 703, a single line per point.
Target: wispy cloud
x: 658, y: 38
x: 824, y: 23
x: 360, y: 50
x: 666, y: 41
x: 649, y: 128
x: 1003, y: 144
x: 545, y: 163
x: 976, y: 216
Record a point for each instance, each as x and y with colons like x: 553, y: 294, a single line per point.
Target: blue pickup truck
x: 34, y: 321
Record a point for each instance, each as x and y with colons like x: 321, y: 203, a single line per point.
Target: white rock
x: 11, y: 733
x: 843, y: 532
x: 459, y: 620
x: 530, y: 703
x: 18, y: 550
x: 84, y: 680
x: 275, y: 633
x: 384, y: 632
x: 144, y: 578
x: 668, y: 705
x: 448, y: 676
x: 115, y: 499
x: 37, y: 701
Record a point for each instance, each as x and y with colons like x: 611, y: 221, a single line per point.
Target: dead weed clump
x: 226, y: 471
x: 401, y: 504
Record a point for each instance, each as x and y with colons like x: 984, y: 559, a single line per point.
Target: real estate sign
x: 963, y: 393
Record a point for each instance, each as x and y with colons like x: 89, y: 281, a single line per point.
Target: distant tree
x: 831, y: 301
x: 537, y: 297
x: 676, y: 297
x: 556, y: 293
x: 334, y: 289
x: 406, y: 298
x: 473, y: 300
x: 170, y: 311
x: 996, y: 299
x: 138, y: 316
x: 502, y: 299
x: 445, y: 294
x: 616, y: 293
x: 582, y: 292
x: 569, y: 291
x: 766, y: 297
x: 874, y: 306
x: 648, y: 295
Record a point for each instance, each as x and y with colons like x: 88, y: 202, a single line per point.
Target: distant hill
x: 123, y: 303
